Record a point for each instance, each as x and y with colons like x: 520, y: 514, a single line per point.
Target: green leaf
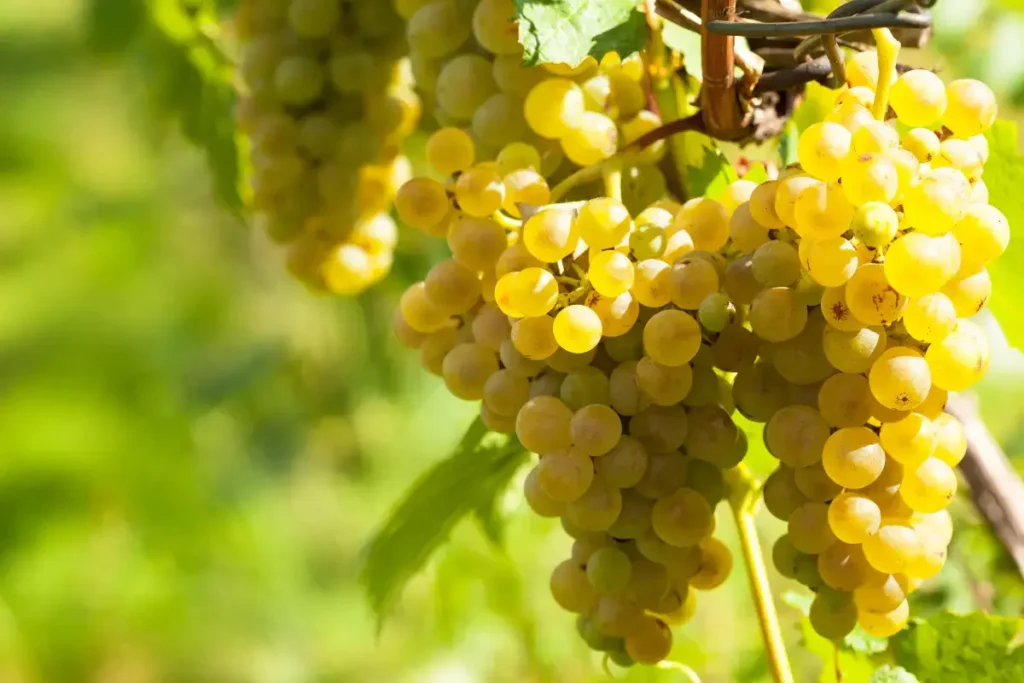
x: 187, y: 79
x: 890, y: 674
x: 757, y: 174
x: 469, y: 480
x: 817, y: 102
x: 712, y: 173
x: 968, y: 647
x: 686, y: 43
x: 854, y: 663
x: 566, y: 31
x: 1004, y: 176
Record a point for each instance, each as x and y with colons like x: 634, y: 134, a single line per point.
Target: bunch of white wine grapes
x: 859, y: 273
x: 327, y: 101
x: 548, y: 119
x: 576, y: 326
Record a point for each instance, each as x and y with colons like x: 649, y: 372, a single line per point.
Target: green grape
x: 298, y: 80
x: 539, y: 501
x: 715, y: 565
x: 499, y: 120
x: 597, y: 509
x: 565, y: 475
x: 833, y: 618
x: 571, y: 589
x: 672, y: 337
x: 450, y: 151
x: 495, y: 26
x: 735, y: 348
x: 649, y: 642
x: 706, y: 479
x: 806, y: 571
x: 466, y: 369
x: 435, y: 347
x: 476, y: 242
x: 881, y: 593
x: 585, y: 386
x: 759, y: 391
x: 647, y: 242
x: 535, y: 337
x: 808, y: 528
x: 513, y: 77
x: 664, y: 385
x: 437, y: 29
x: 801, y: 360
x: 452, y: 287
x: 542, y: 425
x: 745, y: 232
x: 490, y: 327
x: 682, y: 518
x: 649, y: 582
x: 716, y: 312
x: 464, y: 84
x: 712, y: 436
x: 554, y: 107
x: 777, y: 315
x: 624, y: 465
x: 659, y: 428
x: 854, y: 352
x: 608, y: 570
x: 691, y: 280
x: 844, y: 400
x: 517, y: 363
x: 796, y: 435
x: 776, y: 264
x: 419, y: 312
x: 595, y: 429
x: 635, y: 518
x: 505, y: 393
x: 517, y: 156
x: 815, y: 484
x: 592, y: 636
x: 781, y: 495
x: 842, y: 567
x: 784, y: 556
x: 626, y: 397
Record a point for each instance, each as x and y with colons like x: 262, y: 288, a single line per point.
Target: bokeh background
x: 194, y: 450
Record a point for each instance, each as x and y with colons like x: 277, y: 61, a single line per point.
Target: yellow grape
x: 844, y: 400
x: 672, y: 337
x: 554, y: 107
x: 785, y: 197
x: 910, y: 441
x: 603, y: 222
x: 682, y: 518
x: 928, y: 487
x: 950, y: 439
x: 870, y: 178
x: 853, y: 517
x: 618, y: 314
x: 565, y: 475
x: 853, y: 351
x: 476, y: 243
x: 450, y: 150
x: 900, y: 379
x: 832, y: 261
x: 809, y: 530
x: 535, y: 337
x: 691, y: 280
x: 822, y: 210
x: 577, y: 329
x: 884, y: 624
x: 918, y: 97
x: 796, y: 435
x: 823, y: 149
x: 422, y: 203
x: 930, y: 318
x: 524, y: 186
x: 837, y: 312
x: 745, y: 232
x: 762, y: 205
x: 777, y: 314
x: 875, y: 224
x: 550, y: 235
x: 983, y: 234
x: 962, y: 156
x: 871, y: 298
x: 706, y: 221
x: 971, y: 107
x: 937, y: 201
x: 853, y: 457
x: 922, y: 143
x: 592, y: 141
x: 611, y: 273
x: 960, y: 359
x: 969, y: 292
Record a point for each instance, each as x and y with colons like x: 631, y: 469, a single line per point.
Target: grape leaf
x: 566, y: 31
x: 466, y: 482
x: 816, y: 103
x: 1004, y: 176
x: 853, y: 663
x: 170, y: 48
x: 968, y: 647
x: 890, y: 674
x: 714, y: 172
x: 757, y: 174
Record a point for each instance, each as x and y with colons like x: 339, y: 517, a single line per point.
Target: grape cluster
x: 328, y: 99
x: 551, y: 118
x: 861, y: 267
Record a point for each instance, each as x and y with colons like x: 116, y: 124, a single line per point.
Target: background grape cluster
x: 328, y: 102
x: 829, y: 303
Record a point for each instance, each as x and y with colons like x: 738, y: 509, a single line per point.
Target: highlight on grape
x: 619, y: 335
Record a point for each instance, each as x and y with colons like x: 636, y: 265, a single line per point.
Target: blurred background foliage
x: 193, y: 450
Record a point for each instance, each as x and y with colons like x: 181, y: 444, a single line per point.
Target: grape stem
x: 585, y: 175
x: 690, y: 674
x: 507, y: 222
x: 888, y: 51
x: 612, y: 174
x: 745, y: 493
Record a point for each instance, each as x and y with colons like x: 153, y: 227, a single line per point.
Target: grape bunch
x: 860, y: 271
x: 327, y: 101
x: 551, y: 118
